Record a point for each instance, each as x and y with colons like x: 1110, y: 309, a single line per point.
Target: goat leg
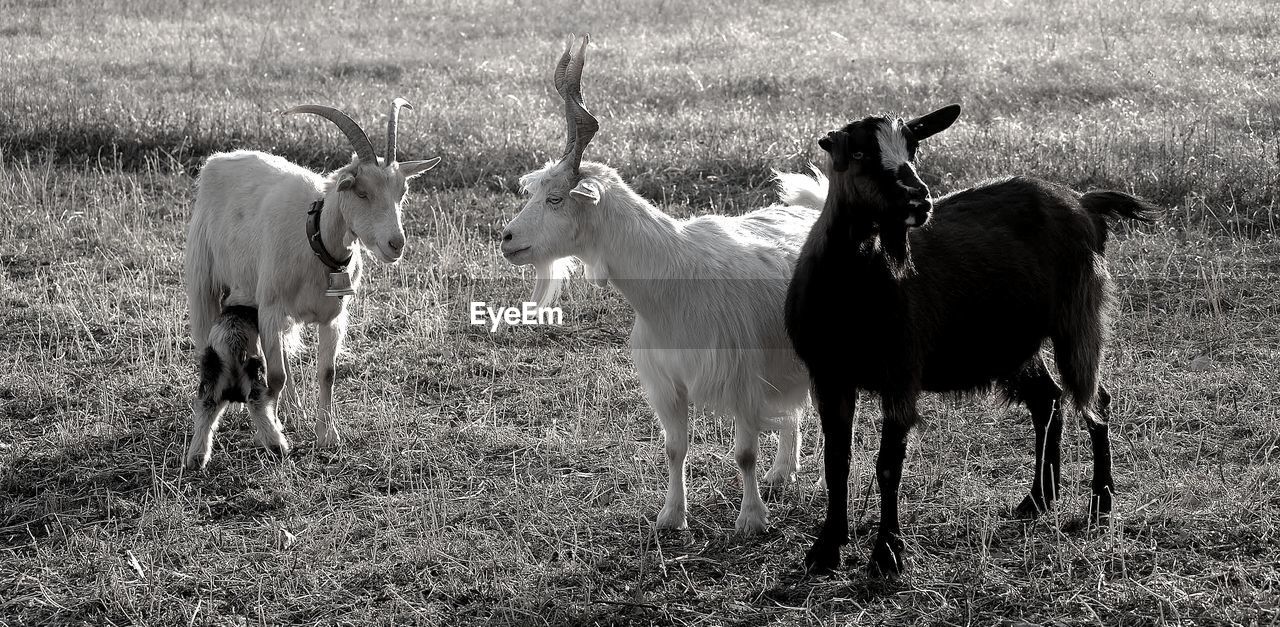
x: 673, y: 413
x: 786, y: 462
x: 753, y: 515
x: 262, y: 401
x: 1035, y: 388
x: 329, y: 339
x: 835, y: 408
x: 1103, y: 484
x: 887, y: 553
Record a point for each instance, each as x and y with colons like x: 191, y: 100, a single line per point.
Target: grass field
x: 514, y: 477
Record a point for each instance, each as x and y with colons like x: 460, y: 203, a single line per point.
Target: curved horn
x: 581, y: 126
x: 392, y: 121
x: 571, y: 130
x: 359, y: 141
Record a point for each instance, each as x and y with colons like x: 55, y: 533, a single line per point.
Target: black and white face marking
x: 897, y: 152
x: 893, y: 145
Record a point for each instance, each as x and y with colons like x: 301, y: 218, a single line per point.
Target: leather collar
x: 317, y: 245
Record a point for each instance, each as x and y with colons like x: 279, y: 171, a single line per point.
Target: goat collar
x: 317, y: 245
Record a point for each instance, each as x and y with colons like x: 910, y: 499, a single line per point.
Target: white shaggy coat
x: 708, y: 294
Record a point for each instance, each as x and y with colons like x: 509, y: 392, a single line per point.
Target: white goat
x: 708, y: 294
x: 270, y: 234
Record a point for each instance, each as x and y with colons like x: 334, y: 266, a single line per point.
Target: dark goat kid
x: 878, y: 303
x: 231, y: 371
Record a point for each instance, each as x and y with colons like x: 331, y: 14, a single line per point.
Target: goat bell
x: 340, y: 285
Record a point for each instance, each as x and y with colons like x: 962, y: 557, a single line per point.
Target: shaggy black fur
x: 962, y: 304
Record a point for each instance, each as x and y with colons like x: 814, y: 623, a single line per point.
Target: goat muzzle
x: 915, y: 195
x: 918, y: 212
x: 510, y: 247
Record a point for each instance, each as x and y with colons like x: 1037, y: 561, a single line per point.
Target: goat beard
x: 549, y: 279
x: 897, y: 249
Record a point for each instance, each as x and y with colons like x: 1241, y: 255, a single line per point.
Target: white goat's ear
x: 411, y: 169
x: 346, y: 181
x: 588, y: 191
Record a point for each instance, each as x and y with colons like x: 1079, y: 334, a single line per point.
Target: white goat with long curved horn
x: 270, y: 234
x: 708, y: 294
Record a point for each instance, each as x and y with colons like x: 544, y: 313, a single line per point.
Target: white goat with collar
x: 708, y: 295
x: 247, y: 245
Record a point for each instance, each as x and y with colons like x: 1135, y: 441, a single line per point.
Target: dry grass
x: 513, y: 478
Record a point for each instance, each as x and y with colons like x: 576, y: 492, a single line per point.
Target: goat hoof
x: 1031, y: 508
x: 278, y: 450
x: 327, y: 438
x: 823, y: 558
x: 1100, y: 509
x: 780, y: 476
x: 749, y: 524
x: 672, y: 519
x: 196, y: 462
x: 886, y: 561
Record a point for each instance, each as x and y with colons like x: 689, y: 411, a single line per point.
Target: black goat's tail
x: 1113, y: 204
x: 1102, y: 204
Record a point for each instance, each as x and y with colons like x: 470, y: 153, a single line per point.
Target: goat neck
x: 339, y: 240
x: 639, y: 248
x: 853, y: 229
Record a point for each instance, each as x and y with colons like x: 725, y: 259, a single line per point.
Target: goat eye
x: 856, y: 155
x: 361, y: 194
x: 554, y: 200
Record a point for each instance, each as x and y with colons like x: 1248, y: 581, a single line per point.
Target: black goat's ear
x: 934, y: 123
x: 836, y: 143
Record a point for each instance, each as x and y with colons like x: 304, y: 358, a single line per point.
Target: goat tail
x: 799, y: 190
x: 204, y: 298
x: 1113, y: 204
x: 1104, y: 203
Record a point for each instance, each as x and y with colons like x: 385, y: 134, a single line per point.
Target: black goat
x: 231, y: 370
x: 879, y: 303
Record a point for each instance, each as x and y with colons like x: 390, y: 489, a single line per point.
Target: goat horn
x: 392, y: 121
x: 561, y: 66
x: 581, y: 125
x: 571, y: 132
x: 359, y: 141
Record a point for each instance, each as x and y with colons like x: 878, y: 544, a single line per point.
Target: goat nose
x: 506, y: 235
x: 396, y: 243
x: 920, y: 201
x: 917, y: 192
x: 919, y: 213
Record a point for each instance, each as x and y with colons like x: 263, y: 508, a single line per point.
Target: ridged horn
x: 359, y: 141
x: 581, y: 126
x: 392, y: 121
